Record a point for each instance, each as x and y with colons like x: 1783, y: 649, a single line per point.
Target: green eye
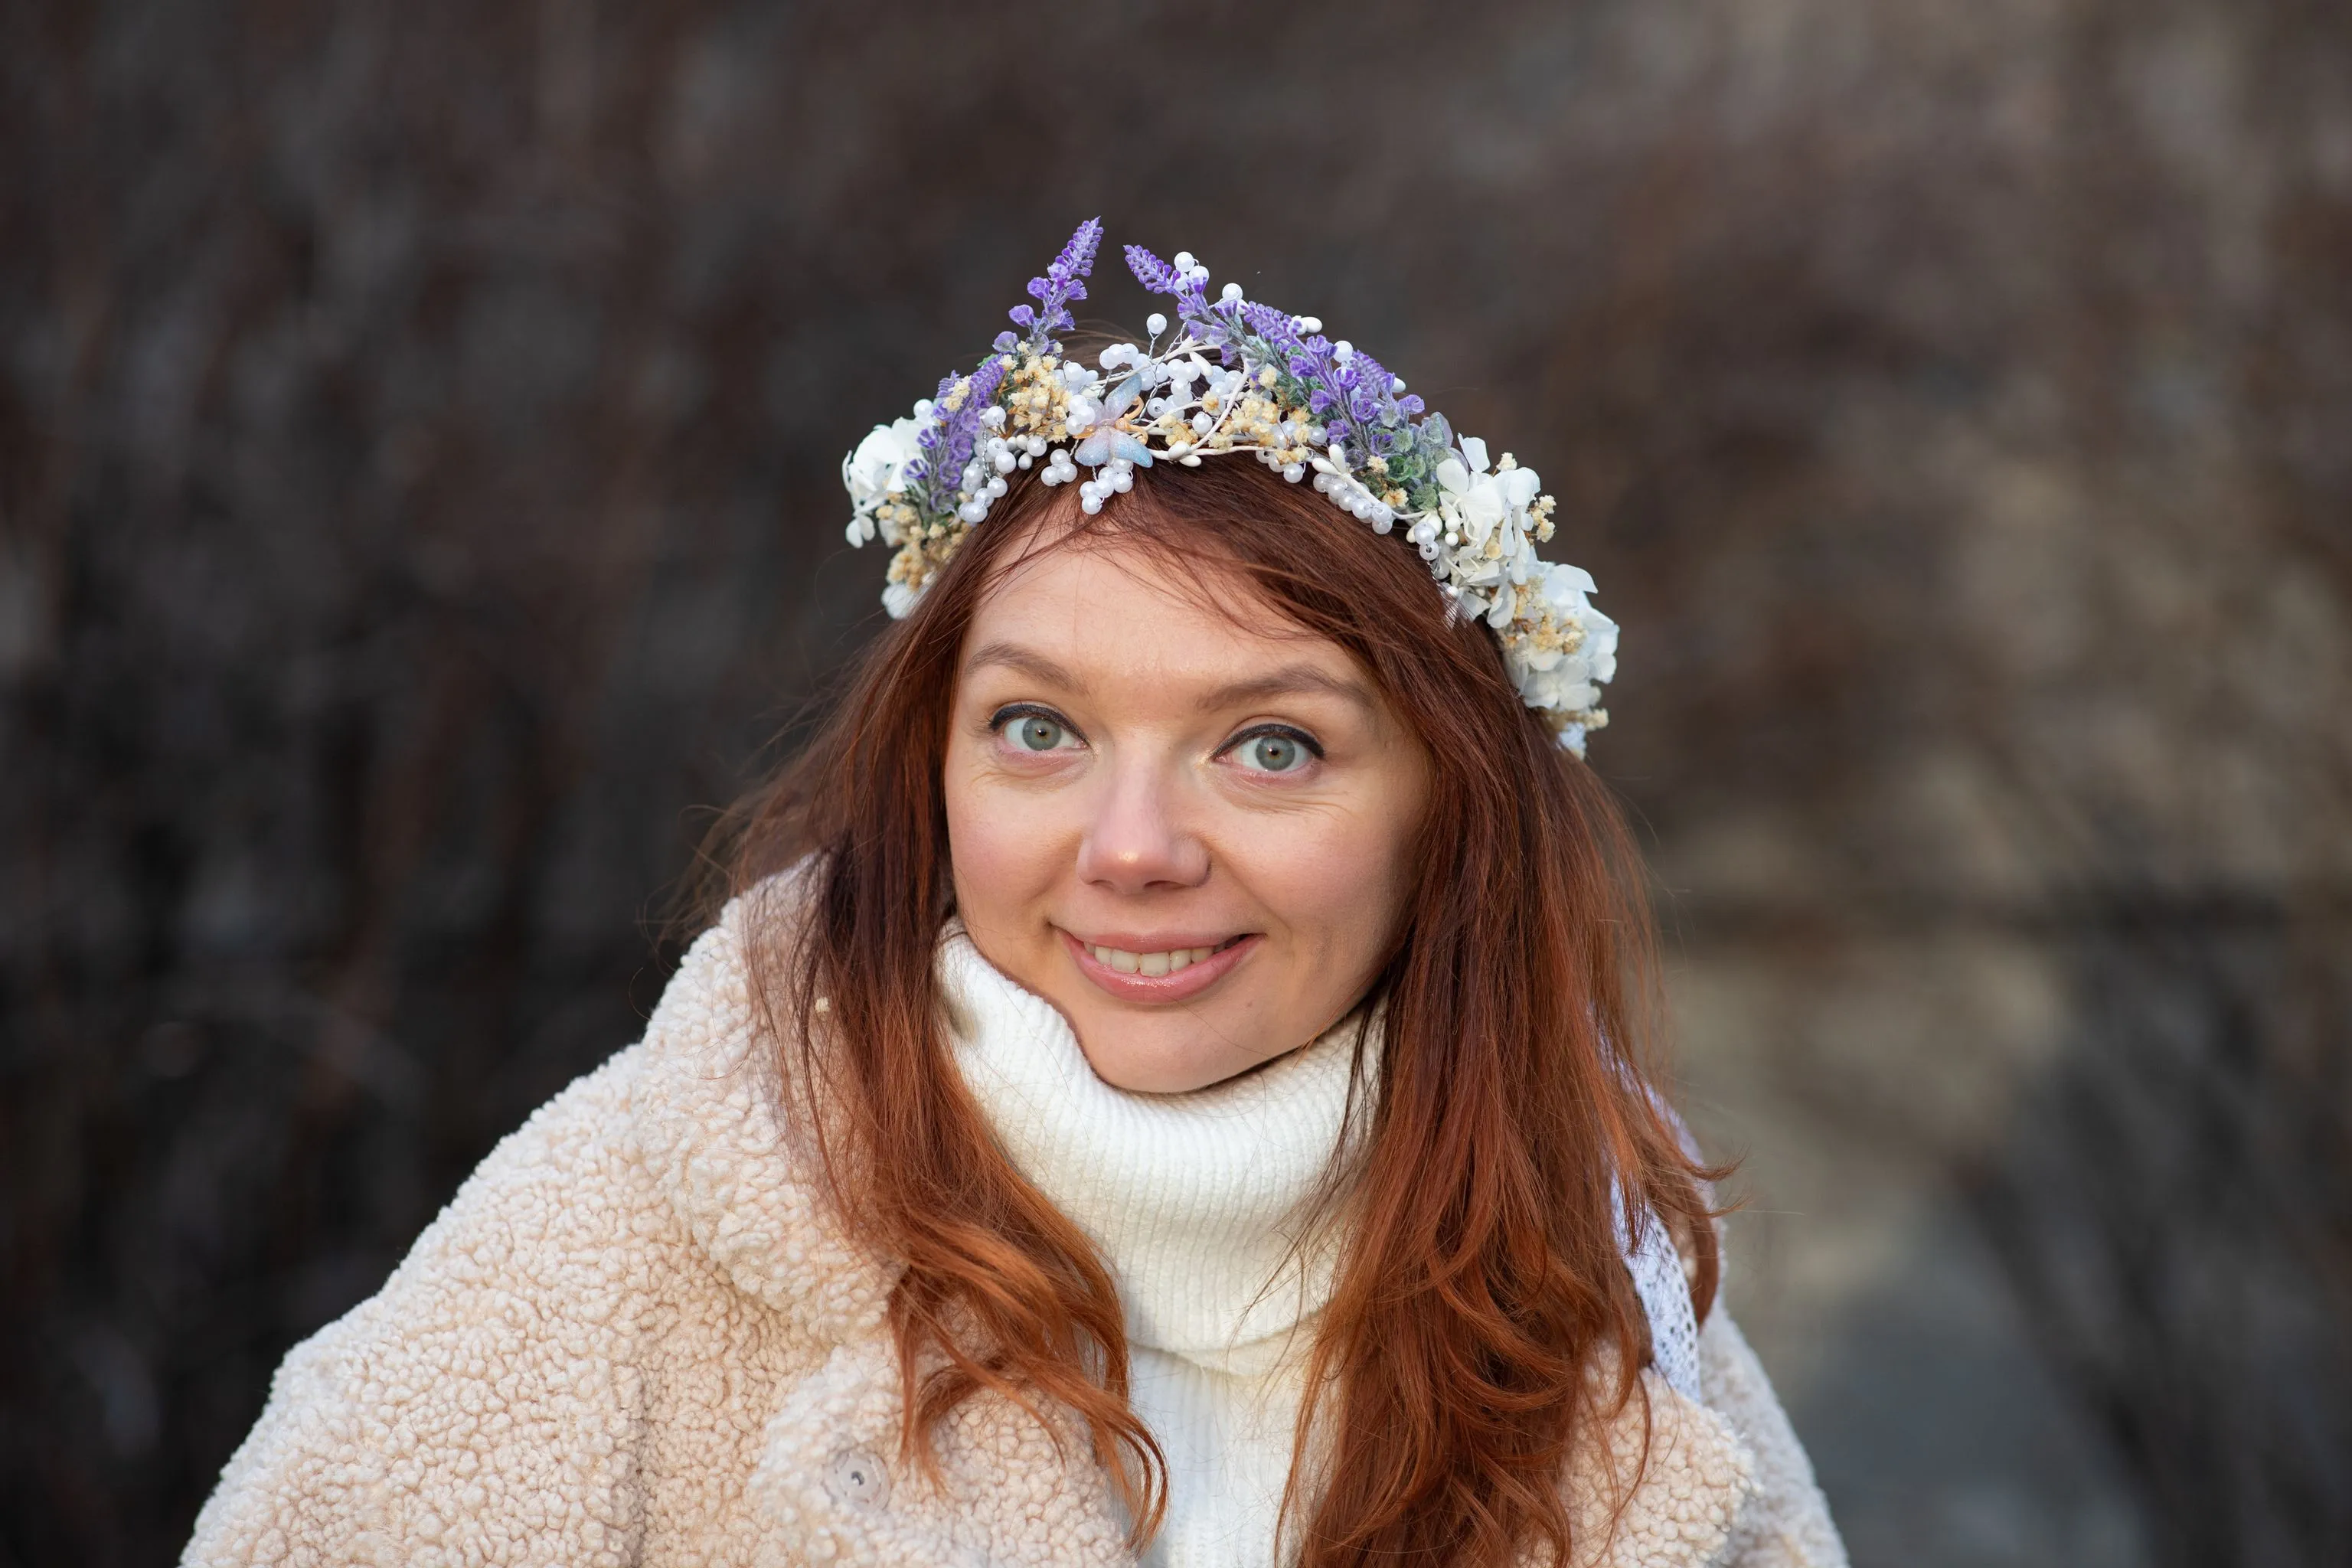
x: 1272, y: 753
x: 1036, y: 733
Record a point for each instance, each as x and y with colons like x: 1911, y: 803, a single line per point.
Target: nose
x: 1139, y: 841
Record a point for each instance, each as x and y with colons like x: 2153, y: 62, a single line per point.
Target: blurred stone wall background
x: 418, y: 432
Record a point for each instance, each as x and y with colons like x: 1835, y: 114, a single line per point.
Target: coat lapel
x: 707, y: 1111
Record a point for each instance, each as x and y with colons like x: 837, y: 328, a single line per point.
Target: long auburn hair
x: 1482, y: 1320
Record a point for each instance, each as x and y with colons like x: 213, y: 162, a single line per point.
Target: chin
x: 1177, y: 1069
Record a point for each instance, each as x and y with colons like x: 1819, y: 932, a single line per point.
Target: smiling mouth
x: 1152, y: 965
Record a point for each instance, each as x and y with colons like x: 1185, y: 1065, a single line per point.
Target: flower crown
x: 1235, y: 376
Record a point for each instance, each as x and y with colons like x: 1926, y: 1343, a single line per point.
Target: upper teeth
x: 1153, y: 963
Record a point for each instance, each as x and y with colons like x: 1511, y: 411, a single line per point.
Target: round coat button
x: 856, y: 1478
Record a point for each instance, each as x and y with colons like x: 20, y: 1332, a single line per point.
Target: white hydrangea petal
x: 1599, y: 645
x: 1565, y: 579
x: 1482, y: 508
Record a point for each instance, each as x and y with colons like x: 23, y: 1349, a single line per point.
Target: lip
x: 1181, y: 986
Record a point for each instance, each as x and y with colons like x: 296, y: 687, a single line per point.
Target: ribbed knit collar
x: 1194, y: 1201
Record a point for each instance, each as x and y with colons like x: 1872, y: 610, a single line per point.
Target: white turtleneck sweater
x: 1195, y: 1203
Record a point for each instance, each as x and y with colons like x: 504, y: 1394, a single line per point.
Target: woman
x: 1170, y: 1078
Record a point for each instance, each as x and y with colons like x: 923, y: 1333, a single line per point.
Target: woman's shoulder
x: 1786, y: 1523
x: 711, y: 1116
x: 1715, y: 1477
x: 659, y: 1190
x: 670, y: 1164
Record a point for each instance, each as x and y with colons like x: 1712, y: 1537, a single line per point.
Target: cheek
x: 1337, y: 881
x: 1003, y: 844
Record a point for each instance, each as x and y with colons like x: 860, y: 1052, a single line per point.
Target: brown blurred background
x: 419, y: 426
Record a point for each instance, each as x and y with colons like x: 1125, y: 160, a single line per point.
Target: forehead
x: 1112, y: 605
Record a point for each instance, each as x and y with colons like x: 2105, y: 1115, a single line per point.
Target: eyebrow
x: 1013, y: 655
x: 1290, y: 680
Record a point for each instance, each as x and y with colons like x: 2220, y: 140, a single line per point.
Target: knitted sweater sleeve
x: 1786, y: 1523
x: 482, y: 1408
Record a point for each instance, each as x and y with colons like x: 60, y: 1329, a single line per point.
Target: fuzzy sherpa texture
x: 638, y: 1336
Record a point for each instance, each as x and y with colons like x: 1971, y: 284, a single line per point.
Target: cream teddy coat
x: 636, y: 1335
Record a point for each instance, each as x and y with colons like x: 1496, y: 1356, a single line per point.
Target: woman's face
x: 1188, y: 830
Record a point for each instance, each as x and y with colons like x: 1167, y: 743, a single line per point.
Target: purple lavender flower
x: 1372, y: 385
x: 927, y: 442
x: 1315, y: 364
x: 1153, y: 273
x: 927, y: 439
x: 1395, y: 409
x: 1355, y: 399
x: 1193, y: 307
x: 948, y: 440
x: 1272, y: 328
x: 1064, y: 281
